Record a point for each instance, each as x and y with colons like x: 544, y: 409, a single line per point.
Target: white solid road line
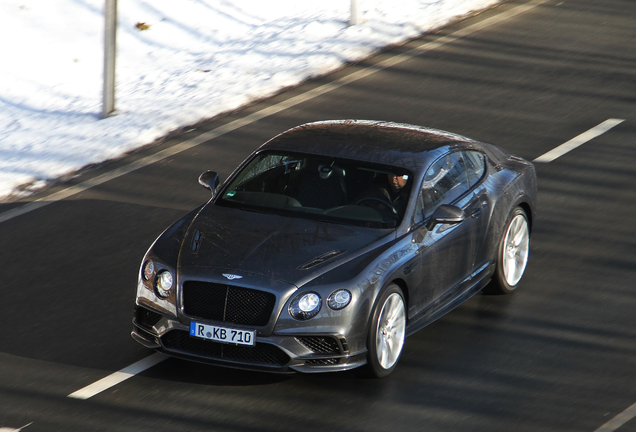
x: 117, y: 377
x: 578, y: 140
x: 266, y: 112
x: 619, y: 420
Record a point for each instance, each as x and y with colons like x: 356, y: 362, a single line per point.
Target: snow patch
x: 189, y: 61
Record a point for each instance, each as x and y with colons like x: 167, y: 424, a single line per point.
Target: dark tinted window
x: 321, y: 188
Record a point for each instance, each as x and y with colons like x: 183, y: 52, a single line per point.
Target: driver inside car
x: 393, y: 191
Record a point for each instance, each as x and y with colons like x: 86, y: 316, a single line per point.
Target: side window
x: 475, y: 166
x: 444, y: 182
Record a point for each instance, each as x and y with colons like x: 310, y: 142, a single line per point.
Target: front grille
x: 320, y: 344
x: 146, y: 318
x: 261, y: 353
x: 227, y: 303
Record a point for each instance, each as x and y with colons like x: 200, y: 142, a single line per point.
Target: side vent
x: 321, y: 259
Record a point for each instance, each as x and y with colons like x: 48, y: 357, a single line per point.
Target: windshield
x: 321, y: 188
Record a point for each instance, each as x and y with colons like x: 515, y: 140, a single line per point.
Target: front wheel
x: 387, y: 328
x: 512, y: 254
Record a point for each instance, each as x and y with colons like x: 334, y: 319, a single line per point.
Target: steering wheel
x: 379, y: 200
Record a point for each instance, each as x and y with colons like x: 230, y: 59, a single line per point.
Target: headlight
x: 164, y: 283
x: 148, y: 271
x: 305, y: 306
x: 339, y: 299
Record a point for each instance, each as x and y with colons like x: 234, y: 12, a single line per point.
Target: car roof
x: 395, y: 144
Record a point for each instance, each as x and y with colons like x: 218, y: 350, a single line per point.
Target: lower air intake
x: 319, y: 344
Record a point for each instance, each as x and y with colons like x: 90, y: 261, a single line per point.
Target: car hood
x: 284, y: 248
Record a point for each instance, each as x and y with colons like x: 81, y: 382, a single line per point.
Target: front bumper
x: 309, y: 353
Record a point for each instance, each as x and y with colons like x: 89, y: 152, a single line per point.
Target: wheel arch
x: 404, y: 287
x: 525, y: 206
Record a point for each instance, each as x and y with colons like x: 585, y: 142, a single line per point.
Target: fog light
x: 339, y: 299
x: 164, y: 284
x: 305, y: 306
x: 148, y: 270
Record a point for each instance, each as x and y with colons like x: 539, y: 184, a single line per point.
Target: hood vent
x: 196, y: 241
x: 321, y: 259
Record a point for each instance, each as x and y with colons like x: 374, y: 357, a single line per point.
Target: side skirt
x: 444, y: 305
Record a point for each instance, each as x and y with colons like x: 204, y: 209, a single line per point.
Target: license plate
x: 223, y: 334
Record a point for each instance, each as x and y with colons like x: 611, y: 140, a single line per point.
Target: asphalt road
x: 558, y: 355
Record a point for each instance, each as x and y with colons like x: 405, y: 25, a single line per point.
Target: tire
x: 512, y: 253
x: 387, y: 328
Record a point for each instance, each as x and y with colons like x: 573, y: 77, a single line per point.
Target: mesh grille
x: 321, y: 362
x: 227, y: 303
x: 146, y: 318
x: 261, y: 353
x: 319, y: 344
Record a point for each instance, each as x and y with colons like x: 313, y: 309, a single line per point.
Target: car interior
x: 342, y: 190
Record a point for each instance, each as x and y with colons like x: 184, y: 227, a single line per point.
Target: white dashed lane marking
x: 8, y: 429
x: 619, y: 420
x: 266, y: 112
x: 148, y: 362
x: 118, y: 377
x: 553, y: 154
x: 578, y: 140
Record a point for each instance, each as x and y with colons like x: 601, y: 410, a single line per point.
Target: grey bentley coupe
x: 333, y: 242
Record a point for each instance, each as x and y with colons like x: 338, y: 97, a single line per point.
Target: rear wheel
x: 512, y: 255
x: 387, y: 329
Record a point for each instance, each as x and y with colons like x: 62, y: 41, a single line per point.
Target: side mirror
x: 446, y: 214
x: 210, y: 181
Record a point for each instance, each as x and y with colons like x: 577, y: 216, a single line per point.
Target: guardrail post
x: 110, y: 54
